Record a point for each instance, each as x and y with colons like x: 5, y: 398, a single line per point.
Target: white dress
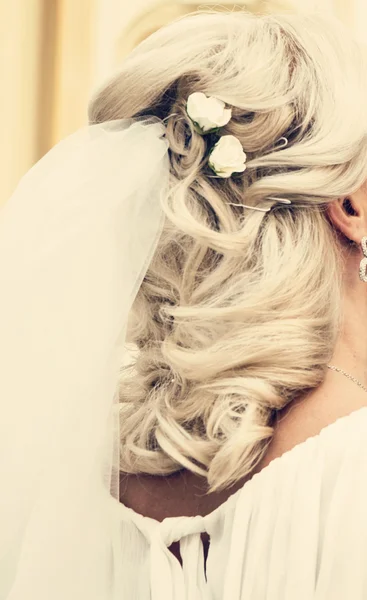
x: 296, y: 531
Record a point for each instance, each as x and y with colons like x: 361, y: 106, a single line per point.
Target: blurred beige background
x: 54, y: 52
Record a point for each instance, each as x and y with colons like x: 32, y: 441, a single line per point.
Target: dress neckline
x: 276, y: 462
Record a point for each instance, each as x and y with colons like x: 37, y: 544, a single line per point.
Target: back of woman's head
x: 240, y: 309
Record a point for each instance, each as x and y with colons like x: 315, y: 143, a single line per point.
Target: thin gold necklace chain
x: 349, y: 376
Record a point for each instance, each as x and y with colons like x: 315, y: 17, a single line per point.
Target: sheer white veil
x: 76, y: 239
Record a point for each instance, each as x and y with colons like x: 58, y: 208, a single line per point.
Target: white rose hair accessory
x: 207, y: 113
x: 227, y: 157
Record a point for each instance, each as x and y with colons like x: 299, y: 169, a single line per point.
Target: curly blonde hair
x: 240, y: 310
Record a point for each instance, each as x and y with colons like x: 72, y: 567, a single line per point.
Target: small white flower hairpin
x: 208, y: 115
x: 227, y: 157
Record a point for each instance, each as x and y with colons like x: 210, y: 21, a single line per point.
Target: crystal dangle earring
x: 363, y: 265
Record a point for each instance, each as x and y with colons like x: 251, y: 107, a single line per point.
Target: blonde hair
x: 240, y: 310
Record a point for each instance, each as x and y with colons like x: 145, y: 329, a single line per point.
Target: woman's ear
x: 349, y: 214
x: 348, y: 207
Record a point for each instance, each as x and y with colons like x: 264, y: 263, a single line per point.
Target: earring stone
x: 363, y: 265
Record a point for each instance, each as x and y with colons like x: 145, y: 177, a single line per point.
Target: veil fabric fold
x: 76, y: 239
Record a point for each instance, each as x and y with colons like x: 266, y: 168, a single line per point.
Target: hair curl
x: 239, y: 311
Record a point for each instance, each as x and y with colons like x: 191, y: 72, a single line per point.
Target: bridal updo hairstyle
x: 240, y: 310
